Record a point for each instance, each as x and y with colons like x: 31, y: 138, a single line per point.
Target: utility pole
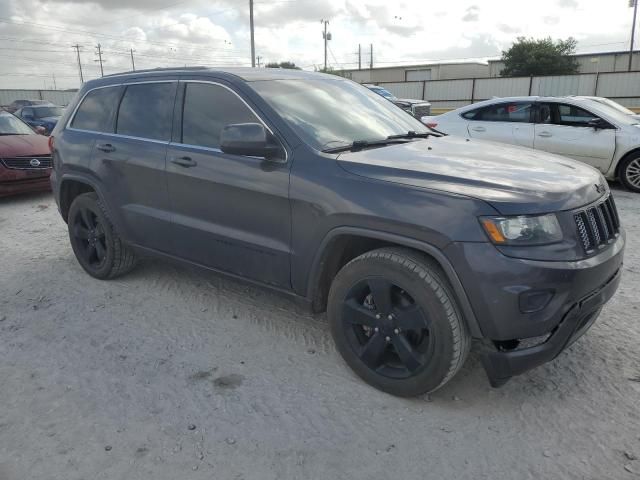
x: 371, y: 58
x: 133, y: 64
x: 77, y: 47
x: 327, y: 36
x: 634, y: 4
x: 258, y: 58
x: 55, y: 87
x: 99, y: 59
x: 359, y: 57
x: 253, y: 46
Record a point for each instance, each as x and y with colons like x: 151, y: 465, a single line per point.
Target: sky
x: 36, y: 36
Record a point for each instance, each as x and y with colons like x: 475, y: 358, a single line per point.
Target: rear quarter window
x: 95, y: 113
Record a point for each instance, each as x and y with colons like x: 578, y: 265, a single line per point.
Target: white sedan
x: 576, y: 127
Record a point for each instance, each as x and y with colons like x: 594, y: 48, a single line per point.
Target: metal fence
x: 58, y: 97
x: 623, y: 87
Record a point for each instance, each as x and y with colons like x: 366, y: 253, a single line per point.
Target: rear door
x: 563, y: 129
x: 230, y: 212
x: 131, y: 162
x: 506, y: 122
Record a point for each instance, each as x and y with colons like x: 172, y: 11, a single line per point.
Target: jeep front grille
x: 598, y: 225
x: 37, y: 162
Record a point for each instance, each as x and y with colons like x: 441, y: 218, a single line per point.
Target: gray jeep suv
x: 413, y: 242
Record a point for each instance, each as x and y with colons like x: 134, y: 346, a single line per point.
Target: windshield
x: 385, y: 93
x: 333, y: 112
x: 10, y: 125
x: 43, y: 112
x: 613, y: 104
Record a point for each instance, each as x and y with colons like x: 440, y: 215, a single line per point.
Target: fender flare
x: 427, y: 248
x: 95, y: 185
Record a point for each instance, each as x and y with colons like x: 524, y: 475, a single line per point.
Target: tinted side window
x: 506, y: 112
x: 96, y: 111
x: 27, y: 112
x: 146, y: 111
x: 207, y: 110
x: 574, y: 116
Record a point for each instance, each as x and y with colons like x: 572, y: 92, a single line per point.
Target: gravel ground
x: 173, y: 373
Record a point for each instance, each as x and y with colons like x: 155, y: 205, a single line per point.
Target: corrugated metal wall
x: 624, y: 87
x: 487, y: 88
x: 59, y: 97
x: 405, y: 89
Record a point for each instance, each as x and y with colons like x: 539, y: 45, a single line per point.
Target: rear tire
x: 396, y: 323
x: 630, y: 173
x: 96, y: 244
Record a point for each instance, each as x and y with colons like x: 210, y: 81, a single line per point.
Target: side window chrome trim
x: 119, y: 135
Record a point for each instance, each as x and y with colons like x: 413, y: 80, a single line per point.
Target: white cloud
x: 37, y: 43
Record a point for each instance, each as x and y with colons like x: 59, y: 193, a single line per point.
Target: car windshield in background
x: 328, y: 113
x: 10, y: 125
x: 385, y: 93
x: 613, y: 104
x: 43, y: 112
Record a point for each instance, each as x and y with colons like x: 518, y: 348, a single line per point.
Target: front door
x: 230, y: 212
x: 507, y: 122
x: 563, y: 129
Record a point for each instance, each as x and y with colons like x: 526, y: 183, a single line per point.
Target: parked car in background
x: 308, y: 183
x: 25, y: 159
x: 45, y: 116
x: 417, y: 108
x: 616, y: 105
x: 17, y: 104
x: 580, y: 128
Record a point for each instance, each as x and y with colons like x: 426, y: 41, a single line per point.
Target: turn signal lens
x: 492, y: 230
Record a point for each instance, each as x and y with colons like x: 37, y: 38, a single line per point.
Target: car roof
x: 246, y: 74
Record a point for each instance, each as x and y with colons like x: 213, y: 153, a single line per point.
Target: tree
x: 528, y: 56
x: 289, y: 65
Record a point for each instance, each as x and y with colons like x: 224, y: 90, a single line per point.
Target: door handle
x: 545, y: 134
x: 479, y: 129
x: 106, y: 147
x: 184, y: 161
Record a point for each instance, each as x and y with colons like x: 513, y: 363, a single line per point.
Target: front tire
x: 95, y: 243
x: 630, y: 173
x: 396, y: 323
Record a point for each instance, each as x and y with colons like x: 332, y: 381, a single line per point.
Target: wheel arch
x: 342, y: 244
x: 71, y: 186
x: 630, y: 153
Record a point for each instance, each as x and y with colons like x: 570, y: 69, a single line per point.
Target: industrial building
x: 588, y: 63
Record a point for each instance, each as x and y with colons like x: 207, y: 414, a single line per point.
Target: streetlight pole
x: 634, y: 4
x: 326, y: 37
x: 253, y: 46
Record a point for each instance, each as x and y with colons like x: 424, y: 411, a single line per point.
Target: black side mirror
x: 598, y: 123
x: 250, y: 139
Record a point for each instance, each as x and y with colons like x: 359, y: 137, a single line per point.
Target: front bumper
x: 22, y: 181
x: 502, y: 365
x: 571, y: 292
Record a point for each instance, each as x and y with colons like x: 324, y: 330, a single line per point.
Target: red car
x: 25, y: 159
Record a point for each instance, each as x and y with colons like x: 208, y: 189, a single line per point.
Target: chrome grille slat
x: 24, y: 163
x: 597, y: 225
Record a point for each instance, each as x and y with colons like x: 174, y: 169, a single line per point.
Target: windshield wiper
x: 362, y: 144
x: 413, y: 134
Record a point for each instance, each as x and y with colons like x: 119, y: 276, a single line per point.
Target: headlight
x: 522, y: 230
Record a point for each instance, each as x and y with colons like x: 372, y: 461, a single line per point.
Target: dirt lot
x: 172, y: 373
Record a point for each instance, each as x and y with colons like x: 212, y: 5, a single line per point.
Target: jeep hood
x: 514, y: 180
